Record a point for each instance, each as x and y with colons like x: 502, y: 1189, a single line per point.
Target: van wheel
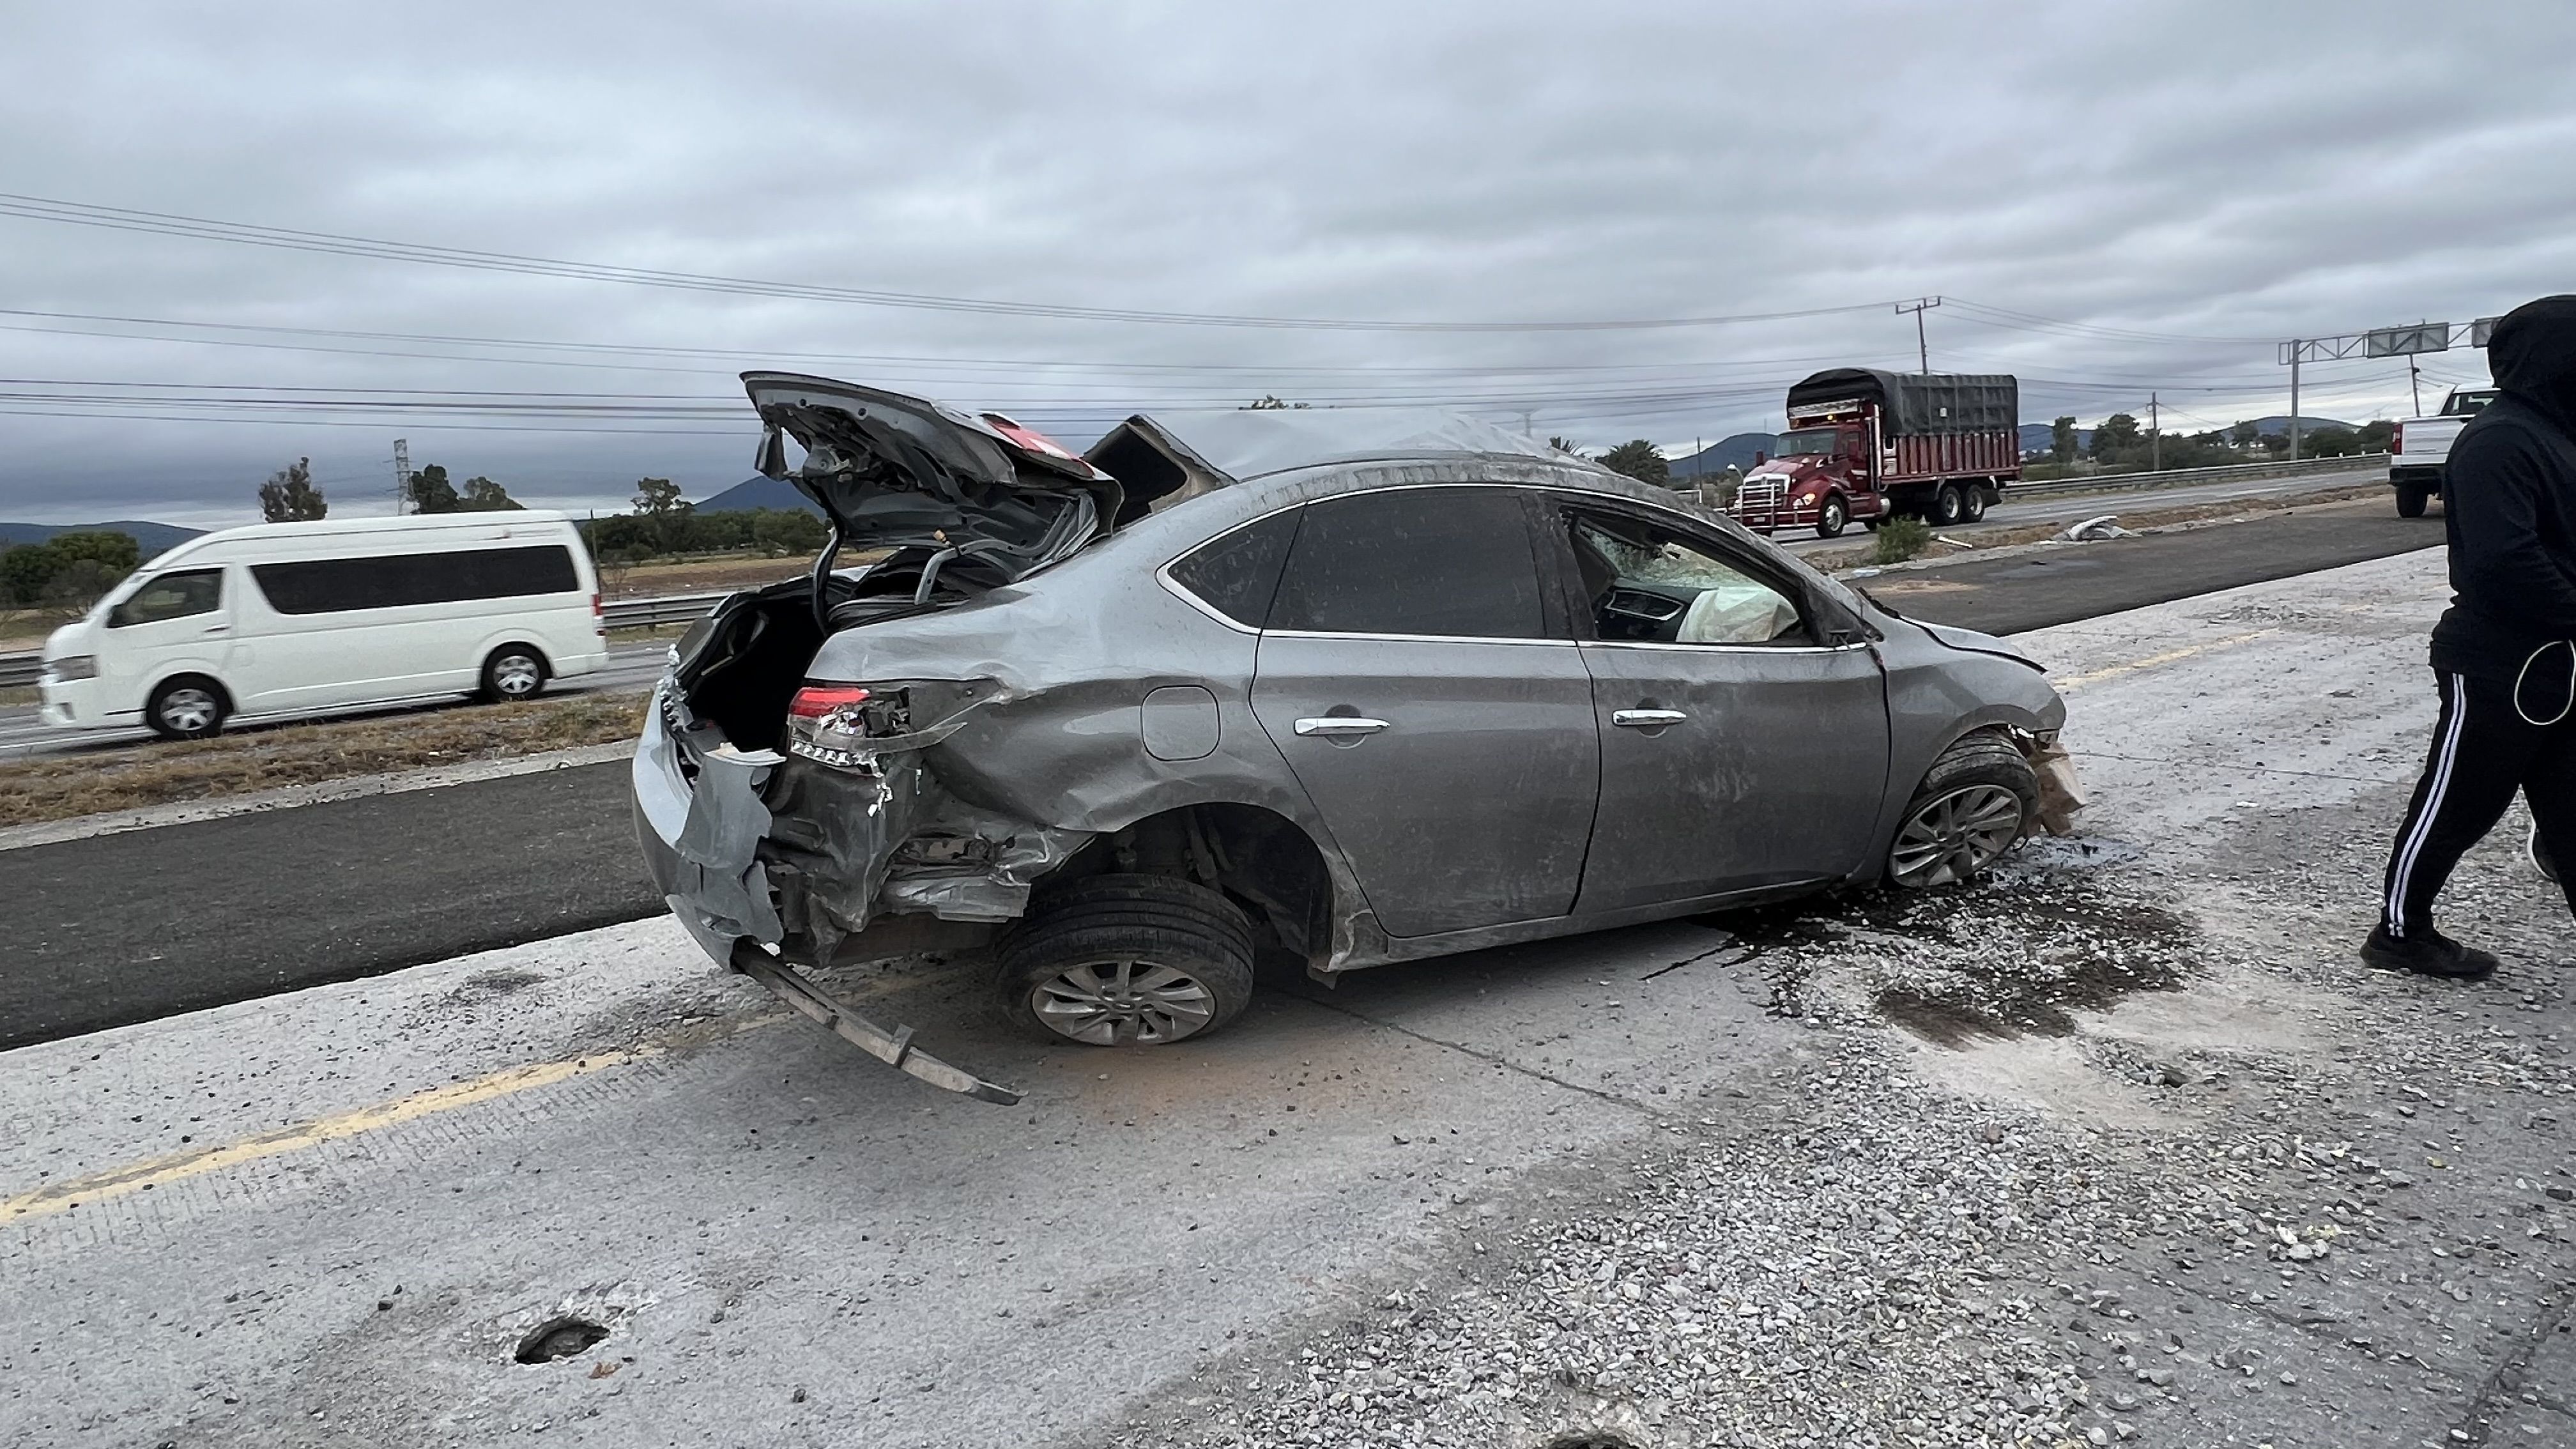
x: 514, y: 671
x: 1947, y: 506
x: 186, y: 708
x: 1974, y: 803
x: 1126, y: 960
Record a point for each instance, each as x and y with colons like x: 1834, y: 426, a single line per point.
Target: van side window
x: 171, y: 596
x: 390, y: 581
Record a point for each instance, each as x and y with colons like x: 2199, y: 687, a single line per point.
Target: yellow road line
x: 2155, y: 660
x: 117, y: 1182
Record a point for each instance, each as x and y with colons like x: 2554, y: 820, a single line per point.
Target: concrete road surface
x: 2121, y: 1142
x: 126, y: 927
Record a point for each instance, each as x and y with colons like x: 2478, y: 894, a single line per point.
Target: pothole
x: 566, y: 1336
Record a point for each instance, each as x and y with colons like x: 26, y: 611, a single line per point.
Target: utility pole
x: 2294, y: 401
x: 2155, y: 437
x: 2415, y: 385
x: 1922, y: 348
x: 402, y: 474
x: 1526, y: 415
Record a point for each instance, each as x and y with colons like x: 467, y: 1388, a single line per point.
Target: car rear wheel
x: 2411, y: 498
x: 1831, y: 517
x: 1126, y: 960
x: 185, y: 708
x: 514, y: 671
x: 1973, y: 804
x: 1947, y: 506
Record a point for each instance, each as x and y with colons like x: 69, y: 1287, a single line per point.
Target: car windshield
x: 1806, y: 440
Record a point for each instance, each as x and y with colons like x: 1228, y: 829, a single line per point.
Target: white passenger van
x: 291, y: 618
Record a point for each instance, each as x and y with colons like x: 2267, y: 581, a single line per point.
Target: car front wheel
x: 1126, y: 960
x: 1973, y: 804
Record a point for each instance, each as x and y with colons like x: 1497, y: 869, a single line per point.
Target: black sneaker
x: 2430, y: 954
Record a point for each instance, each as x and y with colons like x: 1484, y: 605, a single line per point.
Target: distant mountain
x: 1729, y: 452
x: 753, y: 493
x: 152, y: 538
x: 2280, y: 423
x: 2035, y: 437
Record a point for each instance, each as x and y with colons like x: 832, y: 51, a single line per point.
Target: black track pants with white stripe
x: 2483, y: 749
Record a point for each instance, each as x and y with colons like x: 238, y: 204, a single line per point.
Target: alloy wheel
x: 1953, y: 836
x: 1122, y: 1002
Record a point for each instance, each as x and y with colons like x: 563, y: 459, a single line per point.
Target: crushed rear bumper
x: 701, y: 816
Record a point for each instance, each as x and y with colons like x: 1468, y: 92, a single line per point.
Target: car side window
x: 1644, y: 583
x: 171, y: 596
x: 1237, y: 573
x: 1446, y: 561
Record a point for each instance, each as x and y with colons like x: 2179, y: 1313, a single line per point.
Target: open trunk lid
x: 892, y: 471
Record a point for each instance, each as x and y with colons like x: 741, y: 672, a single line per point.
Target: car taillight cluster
x: 2397, y: 440
x: 828, y: 722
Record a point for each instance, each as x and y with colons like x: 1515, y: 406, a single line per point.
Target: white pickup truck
x: 2420, y: 451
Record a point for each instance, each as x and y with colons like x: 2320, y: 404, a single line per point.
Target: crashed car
x: 1334, y: 688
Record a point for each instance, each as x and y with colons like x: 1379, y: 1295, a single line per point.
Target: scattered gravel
x: 1854, y: 1257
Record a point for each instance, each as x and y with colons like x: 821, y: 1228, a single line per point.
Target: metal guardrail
x: 655, y: 613
x: 2185, y: 477
x: 18, y: 671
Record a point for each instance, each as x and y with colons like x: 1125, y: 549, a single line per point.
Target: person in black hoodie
x: 2504, y: 653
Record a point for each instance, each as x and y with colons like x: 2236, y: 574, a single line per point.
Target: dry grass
x: 59, y: 787
x: 714, y: 574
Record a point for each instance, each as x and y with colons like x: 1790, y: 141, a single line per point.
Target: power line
x: 115, y: 218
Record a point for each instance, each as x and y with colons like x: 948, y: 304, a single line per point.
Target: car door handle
x: 1339, y: 725
x: 218, y: 628
x: 1646, y: 719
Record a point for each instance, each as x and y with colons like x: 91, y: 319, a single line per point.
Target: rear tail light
x: 2397, y: 440
x: 815, y: 701
x: 598, y: 616
x: 833, y: 723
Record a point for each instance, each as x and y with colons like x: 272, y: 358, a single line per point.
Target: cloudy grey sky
x: 2186, y: 182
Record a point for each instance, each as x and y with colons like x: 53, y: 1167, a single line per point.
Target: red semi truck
x: 1866, y: 446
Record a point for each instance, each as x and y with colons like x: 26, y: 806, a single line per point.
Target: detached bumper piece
x: 894, y: 1048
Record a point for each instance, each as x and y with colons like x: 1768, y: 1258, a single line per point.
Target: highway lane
x: 630, y: 666
x: 135, y: 926
x: 2022, y: 512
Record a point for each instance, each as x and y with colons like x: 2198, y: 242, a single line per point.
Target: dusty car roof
x: 1241, y: 444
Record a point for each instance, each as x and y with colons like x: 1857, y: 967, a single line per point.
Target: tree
x: 290, y: 497
x: 2244, y: 435
x: 2374, y: 436
x: 1638, y: 459
x: 25, y: 571
x: 482, y: 495
x: 655, y: 497
x: 2118, y: 433
x: 2330, y: 441
x: 1564, y: 445
x: 2061, y: 441
x: 1267, y: 402
x: 104, y: 547
x: 429, y: 491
